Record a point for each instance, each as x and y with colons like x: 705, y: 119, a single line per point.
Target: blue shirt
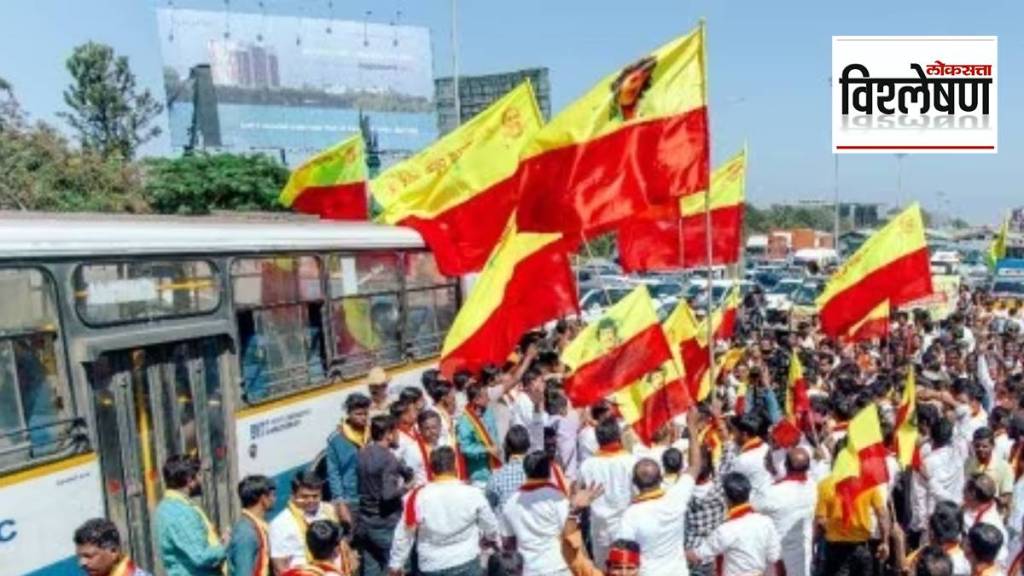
x: 244, y: 550
x: 473, y: 449
x: 343, y: 468
x: 181, y: 536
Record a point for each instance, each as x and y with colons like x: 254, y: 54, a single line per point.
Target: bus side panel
x: 281, y: 438
x: 39, y: 512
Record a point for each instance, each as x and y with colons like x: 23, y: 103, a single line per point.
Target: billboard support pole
x: 455, y: 62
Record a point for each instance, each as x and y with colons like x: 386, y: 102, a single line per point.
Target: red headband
x: 623, y: 557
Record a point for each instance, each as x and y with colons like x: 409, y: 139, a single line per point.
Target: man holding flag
x: 852, y: 500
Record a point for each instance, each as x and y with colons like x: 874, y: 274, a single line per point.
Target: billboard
x: 292, y: 86
x: 479, y: 92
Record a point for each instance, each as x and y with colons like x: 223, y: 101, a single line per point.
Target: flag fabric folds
x: 638, y: 138
x: 662, y: 239
x: 331, y: 184
x: 860, y: 465
x: 653, y: 400
x: 997, y: 249
x: 624, y: 345
x: 526, y: 282
x: 906, y: 422
x: 798, y: 404
x: 460, y: 192
x: 892, y: 265
x: 874, y: 325
x: 692, y: 343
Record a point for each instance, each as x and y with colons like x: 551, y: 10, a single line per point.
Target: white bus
x: 124, y: 340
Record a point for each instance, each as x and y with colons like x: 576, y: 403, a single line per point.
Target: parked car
x: 594, y: 302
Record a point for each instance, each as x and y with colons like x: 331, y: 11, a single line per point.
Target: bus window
x: 133, y: 291
x: 278, y: 303
x: 35, y: 411
x: 430, y: 305
x: 365, y: 293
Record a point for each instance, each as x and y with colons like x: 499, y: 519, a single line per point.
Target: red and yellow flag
x: 906, y: 422
x: 331, y: 184
x: 652, y: 401
x: 874, y: 325
x: 694, y: 349
x: 797, y: 401
x: 666, y: 240
x: 638, y: 138
x: 892, y: 265
x: 460, y: 192
x: 508, y: 299
x: 860, y: 465
x: 624, y: 345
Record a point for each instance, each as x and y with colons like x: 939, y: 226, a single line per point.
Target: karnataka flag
x: 331, y: 184
x: 653, y: 400
x: 624, y: 345
x: 906, y: 422
x: 860, y: 465
x: 874, y: 325
x: 666, y: 239
x: 997, y: 249
x: 460, y: 192
x: 638, y: 138
x: 526, y: 282
x: 798, y: 403
x: 892, y: 265
x: 694, y: 351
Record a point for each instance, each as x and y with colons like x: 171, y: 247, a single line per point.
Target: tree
x: 39, y: 170
x: 200, y: 183
x: 111, y: 116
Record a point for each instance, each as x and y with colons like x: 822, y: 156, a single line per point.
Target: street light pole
x: 835, y: 185
x: 455, y: 62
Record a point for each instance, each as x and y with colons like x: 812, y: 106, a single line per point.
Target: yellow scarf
x: 300, y: 521
x: 357, y: 438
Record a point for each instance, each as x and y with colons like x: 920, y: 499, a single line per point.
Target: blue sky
x: 768, y: 69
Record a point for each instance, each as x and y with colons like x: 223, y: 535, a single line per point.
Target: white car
x: 780, y: 297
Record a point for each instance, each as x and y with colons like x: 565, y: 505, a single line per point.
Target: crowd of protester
x: 496, y: 473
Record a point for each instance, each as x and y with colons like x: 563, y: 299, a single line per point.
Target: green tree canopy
x: 40, y: 170
x: 110, y: 115
x: 200, y: 183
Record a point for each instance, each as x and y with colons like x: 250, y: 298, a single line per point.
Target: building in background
x: 859, y: 215
x: 291, y: 86
x: 784, y: 243
x: 478, y: 92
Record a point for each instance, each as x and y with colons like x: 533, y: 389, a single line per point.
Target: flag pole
x: 708, y: 318
x: 455, y: 63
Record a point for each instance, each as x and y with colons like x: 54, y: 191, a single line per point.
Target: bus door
x: 153, y: 402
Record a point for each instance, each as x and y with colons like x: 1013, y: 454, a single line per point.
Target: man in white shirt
x: 404, y: 412
x: 980, y: 508
x: 746, y: 542
x: 588, y: 432
x: 943, y: 467
x: 445, y: 520
x: 426, y: 435
x: 656, y: 517
x: 288, y: 529
x: 612, y: 468
x: 790, y: 503
x: 752, y: 451
x: 984, y: 544
x: 527, y: 408
x: 532, y: 519
x: 443, y: 395
x: 945, y: 529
